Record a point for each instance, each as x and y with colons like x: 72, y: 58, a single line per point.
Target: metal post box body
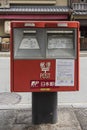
x: 44, y: 56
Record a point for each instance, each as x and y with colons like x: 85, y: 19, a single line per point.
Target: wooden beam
x: 80, y: 16
x: 32, y: 1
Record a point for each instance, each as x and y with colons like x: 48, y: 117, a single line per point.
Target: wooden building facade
x: 41, y: 10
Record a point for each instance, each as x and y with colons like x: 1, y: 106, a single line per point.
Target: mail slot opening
x: 61, y: 43
x: 29, y: 40
x: 28, y: 43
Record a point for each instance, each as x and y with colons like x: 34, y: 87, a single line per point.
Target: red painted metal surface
x: 26, y: 72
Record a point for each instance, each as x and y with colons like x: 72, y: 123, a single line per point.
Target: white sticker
x: 29, y: 43
x: 64, y: 72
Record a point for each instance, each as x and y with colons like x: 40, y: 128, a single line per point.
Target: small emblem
x: 45, y: 67
x: 34, y: 83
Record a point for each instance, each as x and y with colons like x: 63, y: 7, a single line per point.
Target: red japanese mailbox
x: 44, y: 56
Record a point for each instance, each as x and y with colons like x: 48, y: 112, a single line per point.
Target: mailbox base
x: 44, y: 107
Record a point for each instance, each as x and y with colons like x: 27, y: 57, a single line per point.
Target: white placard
x: 7, y: 27
x: 29, y: 43
x: 64, y: 72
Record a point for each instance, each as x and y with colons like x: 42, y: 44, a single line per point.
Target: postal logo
x: 45, y: 68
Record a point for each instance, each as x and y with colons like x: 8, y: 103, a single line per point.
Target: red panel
x: 71, y: 24
x: 27, y: 70
x: 40, y: 24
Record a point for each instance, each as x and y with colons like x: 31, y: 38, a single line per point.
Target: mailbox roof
x: 35, y: 9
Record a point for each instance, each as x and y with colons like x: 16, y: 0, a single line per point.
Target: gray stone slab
x: 82, y: 117
x: 20, y: 127
x: 7, y: 119
x: 66, y: 121
x: 5, y: 128
x: 24, y: 116
x: 22, y: 120
x: 52, y: 127
x: 67, y: 117
x: 9, y: 98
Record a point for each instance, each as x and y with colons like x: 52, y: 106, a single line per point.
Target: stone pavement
x: 21, y: 119
x: 69, y: 118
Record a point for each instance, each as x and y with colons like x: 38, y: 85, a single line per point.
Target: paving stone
x: 67, y: 117
x: 7, y: 117
x: 24, y: 116
x: 9, y: 98
x: 21, y: 120
x: 52, y: 127
x: 66, y: 121
x: 5, y: 128
x: 82, y: 117
x: 44, y: 127
x: 20, y: 127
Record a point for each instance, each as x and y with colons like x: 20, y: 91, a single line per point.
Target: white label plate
x: 64, y: 72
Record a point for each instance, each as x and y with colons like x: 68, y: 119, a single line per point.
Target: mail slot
x: 44, y: 56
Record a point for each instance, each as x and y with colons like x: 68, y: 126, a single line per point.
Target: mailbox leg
x: 44, y: 107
